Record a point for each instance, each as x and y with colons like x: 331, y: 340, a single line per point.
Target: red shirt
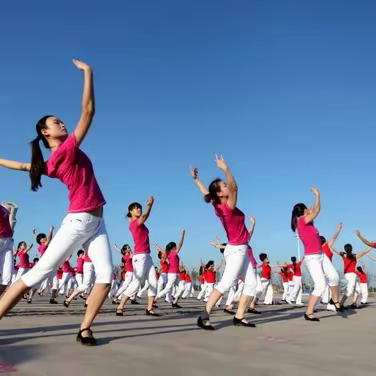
x: 60, y: 273
x: 362, y: 276
x: 158, y: 275
x: 73, y: 271
x: 210, y: 276
x: 140, y: 234
x: 164, y: 265
x: 5, y: 228
x: 290, y: 275
x: 297, y: 271
x: 66, y: 267
x: 285, y: 276
x: 182, y: 276
x: 24, y: 259
x: 114, y: 277
x: 202, y: 280
x: 42, y: 248
x: 327, y: 251
x: 349, y: 265
x: 80, y: 265
x: 266, y: 271
x: 128, y: 263
x: 188, y: 278
x: 123, y: 273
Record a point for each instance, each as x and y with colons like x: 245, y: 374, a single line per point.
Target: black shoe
x: 82, y: 297
x: 229, y: 311
x: 119, y: 312
x: 155, y: 306
x: 86, y: 341
x: 340, y: 309
x: 310, y: 318
x: 85, y: 305
x: 240, y: 322
x: 175, y: 305
x: 200, y: 324
x: 151, y: 313
x: 254, y: 311
x: 66, y: 304
x: 354, y: 306
x: 29, y: 301
x: 53, y: 301
x: 135, y: 302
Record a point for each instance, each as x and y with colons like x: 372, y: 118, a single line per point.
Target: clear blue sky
x: 285, y: 90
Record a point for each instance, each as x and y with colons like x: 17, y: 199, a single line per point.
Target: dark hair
x: 201, y: 271
x: 209, y: 264
x: 263, y: 256
x: 170, y: 246
x: 37, y: 160
x: 360, y: 269
x: 297, y: 212
x: 40, y: 236
x: 293, y: 259
x: 214, y: 188
x: 322, y: 239
x: 348, y: 249
x: 132, y: 206
x: 36, y: 259
x: 19, y: 245
x: 123, y: 248
x: 80, y: 252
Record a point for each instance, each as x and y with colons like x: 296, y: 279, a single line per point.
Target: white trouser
x: 172, y: 280
x: 181, y: 289
x: 89, y: 277
x: 162, y: 281
x: 51, y: 280
x: 78, y: 230
x: 79, y: 278
x: 202, y: 292
x: 6, y: 261
x: 21, y: 272
x: 63, y: 282
x: 208, y: 290
x: 319, y: 267
x: 325, y: 297
x: 267, y: 290
x: 296, y: 293
x: 231, y: 295
x: 142, y: 289
x: 114, y: 288
x: 364, y: 292
x: 188, y: 290
x: 237, y: 263
x: 285, y: 290
x: 72, y: 283
x: 259, y: 286
x: 127, y: 281
x: 143, y: 269
x: 352, y: 283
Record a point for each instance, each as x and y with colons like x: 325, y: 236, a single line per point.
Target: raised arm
x: 159, y: 249
x: 335, y: 250
x: 314, y: 212
x: 216, y: 245
x: 117, y: 248
x: 28, y: 248
x: 200, y: 185
x: 180, y: 245
x: 49, y: 237
x: 219, y: 266
x: 253, y: 224
x: 88, y: 106
x: 13, y: 165
x: 372, y: 258
x: 231, y: 183
x: 361, y: 254
x: 146, y: 213
x: 335, y: 236
x: 364, y: 240
x: 34, y: 233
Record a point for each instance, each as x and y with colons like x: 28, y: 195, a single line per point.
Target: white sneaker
x: 331, y: 307
x: 289, y: 302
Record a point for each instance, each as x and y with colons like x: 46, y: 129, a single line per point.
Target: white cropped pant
x: 285, y: 290
x: 202, y: 291
x: 296, y: 293
x: 78, y: 230
x: 51, y: 281
x: 267, y: 290
x: 364, y: 292
x: 319, y: 267
x: 208, y: 290
x: 143, y: 269
x: 188, y: 290
x: 172, y: 280
x: 89, y: 277
x: 237, y: 263
x: 352, y: 284
x: 6, y: 261
x: 21, y: 272
x: 162, y: 281
x: 127, y: 281
x: 63, y: 283
x: 181, y: 289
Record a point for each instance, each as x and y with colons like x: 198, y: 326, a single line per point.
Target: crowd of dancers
x: 83, y: 232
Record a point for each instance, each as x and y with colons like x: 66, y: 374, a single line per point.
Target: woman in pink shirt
x: 84, y: 225
x: 143, y: 267
x: 318, y: 266
x: 23, y: 256
x: 223, y: 196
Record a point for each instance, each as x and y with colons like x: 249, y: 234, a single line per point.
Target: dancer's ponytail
x: 297, y: 212
x: 214, y: 188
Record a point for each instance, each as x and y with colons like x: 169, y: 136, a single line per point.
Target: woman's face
x: 224, y: 191
x: 136, y: 212
x: 55, y: 129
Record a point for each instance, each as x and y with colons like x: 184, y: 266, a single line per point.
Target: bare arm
x: 49, y: 237
x: 146, y: 213
x: 13, y: 165
x: 180, y: 245
x: 335, y: 236
x: 200, y: 185
x: 253, y: 224
x: 28, y: 248
x: 361, y: 254
x: 372, y: 258
x: 338, y: 252
x: 314, y: 212
x: 117, y: 248
x: 219, y: 266
x: 231, y: 183
x: 34, y: 233
x: 364, y: 240
x: 88, y: 107
x: 216, y: 245
x: 159, y: 249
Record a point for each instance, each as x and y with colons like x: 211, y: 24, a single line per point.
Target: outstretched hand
x: 221, y: 163
x: 150, y: 201
x: 315, y: 191
x: 194, y: 172
x: 81, y: 65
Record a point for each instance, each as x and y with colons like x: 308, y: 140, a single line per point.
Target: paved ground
x: 39, y: 339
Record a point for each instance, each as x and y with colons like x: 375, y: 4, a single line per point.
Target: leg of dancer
x: 285, y: 283
x: 143, y: 268
x: 223, y: 196
x: 363, y: 279
x: 319, y: 266
x: 296, y: 293
x: 84, y: 224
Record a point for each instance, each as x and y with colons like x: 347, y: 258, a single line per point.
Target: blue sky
x: 285, y: 90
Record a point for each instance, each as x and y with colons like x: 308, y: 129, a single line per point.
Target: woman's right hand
x: 194, y: 173
x: 315, y: 191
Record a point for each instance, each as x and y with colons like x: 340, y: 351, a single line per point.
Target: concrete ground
x: 39, y: 339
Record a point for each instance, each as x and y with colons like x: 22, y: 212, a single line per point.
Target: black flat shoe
x: 114, y: 302
x: 155, y: 306
x: 176, y: 305
x: 86, y: 341
x: 200, y: 324
x: 135, y: 302
x: 228, y: 311
x: 82, y: 297
x: 240, y: 322
x: 310, y: 318
x: 151, y: 313
x: 340, y: 309
x: 254, y: 311
x: 85, y: 305
x: 53, y: 301
x: 354, y: 306
x: 119, y: 312
x: 29, y: 301
x: 66, y: 304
